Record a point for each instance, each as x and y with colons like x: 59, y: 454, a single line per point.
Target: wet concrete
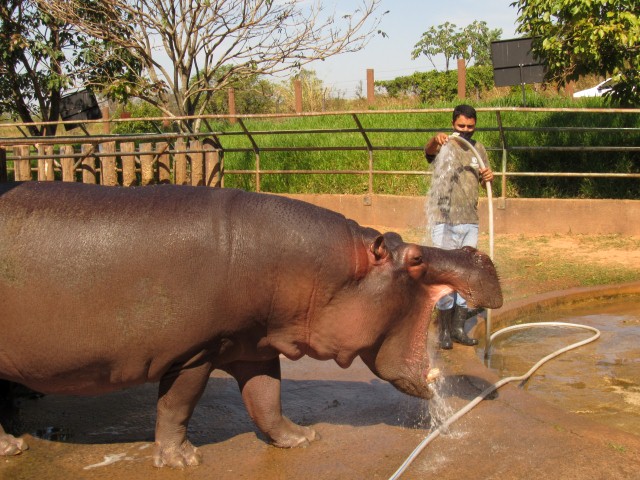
x: 367, y: 429
x: 599, y: 381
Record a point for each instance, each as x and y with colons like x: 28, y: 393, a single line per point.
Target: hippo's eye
x: 417, y: 260
x: 478, y: 259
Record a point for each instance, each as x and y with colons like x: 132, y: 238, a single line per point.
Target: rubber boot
x: 444, y: 325
x: 458, y: 335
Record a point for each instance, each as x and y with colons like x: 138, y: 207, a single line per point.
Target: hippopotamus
x: 166, y: 283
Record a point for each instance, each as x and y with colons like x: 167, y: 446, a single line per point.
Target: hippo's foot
x: 10, y: 445
x: 177, y: 456
x: 289, y: 435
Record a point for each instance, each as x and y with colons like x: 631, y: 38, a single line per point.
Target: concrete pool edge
x: 545, y: 301
x: 545, y: 439
x: 538, y: 303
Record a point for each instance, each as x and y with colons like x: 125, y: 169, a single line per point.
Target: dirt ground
x: 598, y: 249
x: 534, y: 265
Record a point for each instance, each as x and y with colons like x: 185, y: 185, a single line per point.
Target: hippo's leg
x: 180, y: 390
x: 10, y: 445
x: 259, y: 383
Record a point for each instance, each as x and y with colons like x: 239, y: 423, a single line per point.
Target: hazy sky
x: 404, y: 24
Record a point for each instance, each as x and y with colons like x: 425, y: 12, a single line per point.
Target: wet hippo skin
x: 103, y: 288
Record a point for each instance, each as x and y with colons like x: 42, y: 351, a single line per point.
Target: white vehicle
x: 596, y: 91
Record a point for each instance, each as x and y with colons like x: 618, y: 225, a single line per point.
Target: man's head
x: 464, y: 121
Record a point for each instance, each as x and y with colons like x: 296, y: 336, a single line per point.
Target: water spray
x: 489, y: 337
x: 463, y: 141
x: 444, y: 426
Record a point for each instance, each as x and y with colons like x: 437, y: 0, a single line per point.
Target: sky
x: 405, y: 23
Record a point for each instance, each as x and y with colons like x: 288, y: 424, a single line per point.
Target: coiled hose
x: 523, y: 378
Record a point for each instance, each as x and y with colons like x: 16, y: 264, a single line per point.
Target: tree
x: 313, y: 92
x: 472, y: 43
x: 578, y: 37
x: 477, y: 38
x: 180, y: 40
x: 41, y: 57
x: 253, y: 94
x: 440, y: 40
x: 433, y: 85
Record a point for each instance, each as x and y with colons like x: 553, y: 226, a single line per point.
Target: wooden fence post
x: 197, y: 163
x: 164, y: 163
x: 370, y: 87
x: 128, y: 159
x: 68, y: 164
x: 88, y: 163
x: 180, y: 162
x: 4, y: 177
x: 297, y: 89
x: 232, y: 104
x: 462, y: 79
x: 45, y: 165
x: 22, y: 167
x: 146, y: 163
x: 213, y: 171
x: 108, y: 173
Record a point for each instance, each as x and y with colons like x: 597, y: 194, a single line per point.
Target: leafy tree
x: 180, y: 40
x: 40, y: 57
x: 137, y: 109
x: 440, y: 40
x: 253, y: 94
x: 578, y: 37
x: 472, y: 43
x: 478, y: 37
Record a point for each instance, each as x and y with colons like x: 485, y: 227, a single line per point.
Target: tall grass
x: 331, y: 159
x: 417, y: 129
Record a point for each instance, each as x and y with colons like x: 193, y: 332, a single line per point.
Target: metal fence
x: 96, y: 156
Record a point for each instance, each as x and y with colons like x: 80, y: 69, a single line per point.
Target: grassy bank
x: 524, y: 129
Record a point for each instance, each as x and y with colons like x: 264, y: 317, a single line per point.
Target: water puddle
x: 600, y: 380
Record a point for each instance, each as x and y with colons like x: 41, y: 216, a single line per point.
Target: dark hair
x: 465, y: 110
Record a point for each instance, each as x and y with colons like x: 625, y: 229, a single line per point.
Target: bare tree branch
x: 182, y: 43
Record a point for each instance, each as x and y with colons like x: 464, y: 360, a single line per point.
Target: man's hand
x: 440, y: 139
x: 486, y: 174
x: 433, y: 145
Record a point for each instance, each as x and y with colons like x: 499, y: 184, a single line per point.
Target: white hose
x: 444, y: 426
x: 464, y: 141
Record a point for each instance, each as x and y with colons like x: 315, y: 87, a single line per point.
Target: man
x: 453, y: 210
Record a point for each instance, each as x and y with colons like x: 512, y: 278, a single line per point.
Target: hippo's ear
x: 379, y: 249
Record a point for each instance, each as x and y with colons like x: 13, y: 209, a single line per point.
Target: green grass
x: 412, y: 130
x: 416, y: 128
